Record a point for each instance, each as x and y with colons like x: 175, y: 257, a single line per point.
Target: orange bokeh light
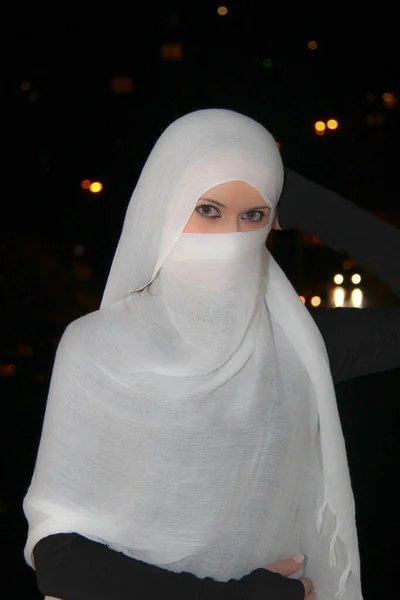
x: 85, y: 185
x: 389, y: 99
x: 172, y: 51
x: 122, y: 85
x: 7, y: 370
x: 347, y: 264
x: 315, y: 300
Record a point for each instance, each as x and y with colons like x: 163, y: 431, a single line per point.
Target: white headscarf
x: 194, y: 425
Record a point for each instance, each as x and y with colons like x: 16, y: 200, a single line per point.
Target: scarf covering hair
x: 193, y: 425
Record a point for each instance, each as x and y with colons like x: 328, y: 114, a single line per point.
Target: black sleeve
x: 72, y: 567
x: 358, y: 341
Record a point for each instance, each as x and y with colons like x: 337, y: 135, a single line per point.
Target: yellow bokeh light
x: 356, y: 278
x: 338, y: 279
x: 85, y: 185
x: 338, y: 296
x: 312, y: 45
x: 332, y: 124
x: 319, y: 126
x: 222, y: 11
x: 26, y: 86
x: 96, y: 187
x: 315, y: 300
x: 357, y: 298
x: 302, y: 298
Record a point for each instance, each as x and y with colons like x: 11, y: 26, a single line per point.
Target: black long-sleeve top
x: 359, y: 342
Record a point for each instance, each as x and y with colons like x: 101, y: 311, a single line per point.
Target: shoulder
x: 106, y: 330
x: 81, y: 329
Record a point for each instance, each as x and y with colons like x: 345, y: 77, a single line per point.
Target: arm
x: 359, y: 342
x: 72, y: 567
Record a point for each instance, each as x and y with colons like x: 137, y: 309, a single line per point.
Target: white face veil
x: 193, y: 425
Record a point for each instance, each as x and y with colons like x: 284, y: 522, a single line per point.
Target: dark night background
x: 68, y: 118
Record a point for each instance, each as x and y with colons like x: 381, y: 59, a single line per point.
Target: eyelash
x: 215, y: 217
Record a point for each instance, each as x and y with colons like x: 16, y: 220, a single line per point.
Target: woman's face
x: 227, y: 208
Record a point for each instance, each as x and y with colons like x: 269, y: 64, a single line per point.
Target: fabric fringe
x: 321, y: 515
x: 332, y: 556
x: 342, y: 583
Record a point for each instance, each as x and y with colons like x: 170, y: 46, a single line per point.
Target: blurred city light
x: 375, y: 120
x: 346, y: 264
x: 40, y: 378
x: 315, y: 300
x: 302, y: 298
x: 172, y: 51
x: 338, y: 296
x: 79, y: 250
x: 96, y: 187
x: 24, y: 350
x: 332, y: 124
x: 357, y: 298
x: 173, y: 20
x: 338, y: 279
x: 122, y: 85
x: 81, y: 271
x: 356, y: 278
x: 32, y: 97
x: 319, y: 127
x: 85, y: 185
x: 7, y: 370
x: 26, y: 86
x: 267, y: 63
x: 222, y: 11
x: 312, y: 45
x: 390, y: 100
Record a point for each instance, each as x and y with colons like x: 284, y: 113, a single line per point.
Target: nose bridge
x: 230, y: 224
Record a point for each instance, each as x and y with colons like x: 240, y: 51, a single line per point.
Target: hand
x: 288, y: 567
x: 275, y: 222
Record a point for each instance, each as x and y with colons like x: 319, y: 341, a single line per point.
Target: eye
x: 205, y: 210
x: 255, y: 215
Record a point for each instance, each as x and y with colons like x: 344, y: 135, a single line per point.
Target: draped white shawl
x: 194, y: 425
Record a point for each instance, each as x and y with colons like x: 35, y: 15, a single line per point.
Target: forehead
x: 235, y: 192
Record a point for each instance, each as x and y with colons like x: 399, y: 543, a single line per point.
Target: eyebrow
x: 265, y: 206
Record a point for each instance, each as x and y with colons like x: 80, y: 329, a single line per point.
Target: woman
x: 191, y: 433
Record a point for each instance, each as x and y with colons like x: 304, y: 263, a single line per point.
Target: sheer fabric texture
x: 193, y: 425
